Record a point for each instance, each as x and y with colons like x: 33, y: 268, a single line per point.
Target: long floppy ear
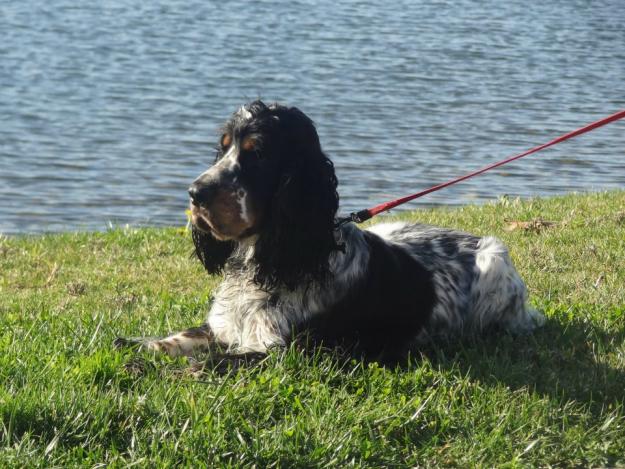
x: 212, y: 253
x: 296, y: 241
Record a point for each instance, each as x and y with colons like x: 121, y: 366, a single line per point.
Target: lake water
x: 109, y: 109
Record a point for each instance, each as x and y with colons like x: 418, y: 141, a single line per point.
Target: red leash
x: 363, y: 215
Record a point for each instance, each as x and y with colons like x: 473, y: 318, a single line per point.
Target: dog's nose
x: 202, y: 193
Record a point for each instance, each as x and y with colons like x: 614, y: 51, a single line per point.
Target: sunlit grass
x: 68, y: 399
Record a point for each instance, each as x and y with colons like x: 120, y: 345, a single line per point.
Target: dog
x: 264, y: 215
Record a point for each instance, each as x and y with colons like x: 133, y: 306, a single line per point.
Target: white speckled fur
x: 244, y: 113
x: 246, y: 318
x: 242, y: 201
x: 475, y: 282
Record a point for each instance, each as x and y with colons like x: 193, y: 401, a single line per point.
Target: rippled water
x: 109, y: 109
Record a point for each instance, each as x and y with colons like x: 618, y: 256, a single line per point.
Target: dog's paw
x: 124, y: 342
x: 140, y: 344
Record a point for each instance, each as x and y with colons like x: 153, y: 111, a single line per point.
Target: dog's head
x: 270, y: 186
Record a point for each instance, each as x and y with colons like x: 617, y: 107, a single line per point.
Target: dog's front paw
x: 126, y: 342
x: 171, y: 347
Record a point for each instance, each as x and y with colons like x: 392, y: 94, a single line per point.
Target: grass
x: 554, y: 398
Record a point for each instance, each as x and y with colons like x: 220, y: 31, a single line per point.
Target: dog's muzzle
x: 202, y: 193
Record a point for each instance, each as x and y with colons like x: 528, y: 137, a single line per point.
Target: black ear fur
x: 212, y: 253
x: 297, y: 239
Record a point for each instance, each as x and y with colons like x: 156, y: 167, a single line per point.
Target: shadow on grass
x: 561, y: 362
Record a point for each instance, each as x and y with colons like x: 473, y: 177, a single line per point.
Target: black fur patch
x: 380, y: 316
x: 298, y: 236
x: 212, y: 253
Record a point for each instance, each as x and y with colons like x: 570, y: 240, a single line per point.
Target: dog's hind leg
x: 499, y: 292
x: 183, y: 343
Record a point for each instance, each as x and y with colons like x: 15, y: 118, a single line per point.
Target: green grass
x: 554, y: 398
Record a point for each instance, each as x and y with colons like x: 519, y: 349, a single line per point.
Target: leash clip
x: 356, y: 217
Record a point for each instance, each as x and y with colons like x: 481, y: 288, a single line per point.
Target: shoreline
x: 404, y: 211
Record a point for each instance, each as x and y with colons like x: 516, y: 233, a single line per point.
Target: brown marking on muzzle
x: 223, y: 216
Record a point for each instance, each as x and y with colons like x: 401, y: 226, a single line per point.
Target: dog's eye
x: 249, y: 144
x: 226, y: 140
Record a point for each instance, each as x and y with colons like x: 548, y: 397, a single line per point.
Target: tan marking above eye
x: 249, y: 144
x: 226, y: 140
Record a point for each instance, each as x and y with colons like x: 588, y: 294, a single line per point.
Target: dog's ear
x: 296, y: 241
x: 212, y: 253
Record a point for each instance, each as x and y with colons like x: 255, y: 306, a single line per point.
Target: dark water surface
x: 109, y: 109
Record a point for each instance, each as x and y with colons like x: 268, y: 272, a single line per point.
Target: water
x: 109, y: 109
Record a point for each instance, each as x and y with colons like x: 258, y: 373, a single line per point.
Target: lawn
x: 554, y: 398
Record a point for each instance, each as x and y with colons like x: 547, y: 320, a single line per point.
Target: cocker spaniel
x: 264, y: 215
